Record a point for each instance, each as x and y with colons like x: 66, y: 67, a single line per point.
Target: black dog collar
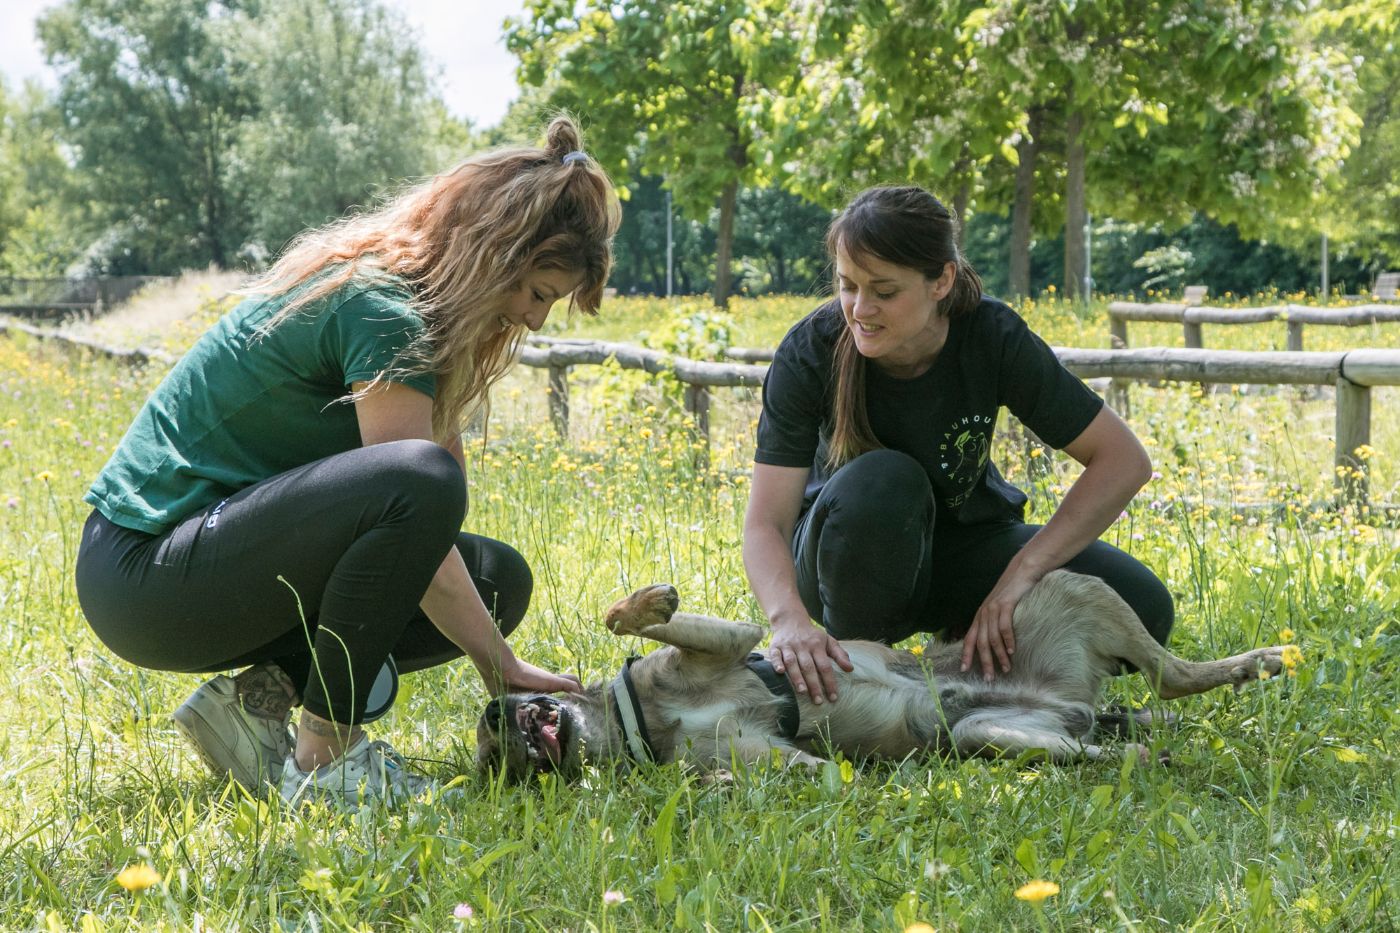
x: 789, y: 719
x: 629, y: 715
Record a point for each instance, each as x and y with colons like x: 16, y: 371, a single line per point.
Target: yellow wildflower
x: 136, y: 878
x: 1037, y: 891
x: 1286, y: 634
x: 44, y: 476
x: 919, y: 927
x: 917, y: 651
x: 1292, y: 657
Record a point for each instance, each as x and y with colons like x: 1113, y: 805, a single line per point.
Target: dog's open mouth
x: 544, y: 723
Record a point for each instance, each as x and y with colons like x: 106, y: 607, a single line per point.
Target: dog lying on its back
x: 707, y: 700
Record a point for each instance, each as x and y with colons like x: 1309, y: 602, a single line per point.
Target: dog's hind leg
x: 651, y: 613
x: 1071, y: 612
x: 1003, y: 731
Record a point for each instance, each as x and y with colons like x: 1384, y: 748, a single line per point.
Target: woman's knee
x: 427, y: 476
x: 514, y: 583
x: 1155, y: 608
x: 880, y: 491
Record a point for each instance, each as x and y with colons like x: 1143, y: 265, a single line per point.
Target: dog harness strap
x: 629, y: 714
x: 789, y: 719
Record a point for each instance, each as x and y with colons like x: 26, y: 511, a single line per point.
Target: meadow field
x: 1279, y: 810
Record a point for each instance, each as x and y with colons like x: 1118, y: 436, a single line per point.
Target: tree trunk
x: 213, y: 191
x: 1024, y: 201
x: 738, y: 161
x: 1075, y: 215
x: 960, y: 202
x: 724, y: 251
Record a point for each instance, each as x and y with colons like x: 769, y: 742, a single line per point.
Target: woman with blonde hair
x: 291, y: 496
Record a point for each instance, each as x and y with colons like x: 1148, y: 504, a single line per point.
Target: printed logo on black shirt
x: 963, y: 454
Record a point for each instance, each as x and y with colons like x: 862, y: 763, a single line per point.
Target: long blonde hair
x: 904, y: 226
x: 461, y: 241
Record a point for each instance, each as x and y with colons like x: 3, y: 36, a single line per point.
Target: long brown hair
x: 904, y: 226
x: 461, y: 241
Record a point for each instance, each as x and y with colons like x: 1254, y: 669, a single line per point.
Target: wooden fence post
x: 697, y: 404
x: 1117, y: 333
x: 1194, y: 296
x: 1118, y: 398
x: 1353, y: 430
x: 1191, y: 334
x: 559, y: 399
x: 1295, y: 335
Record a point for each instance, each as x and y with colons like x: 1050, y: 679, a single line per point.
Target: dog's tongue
x: 549, y: 738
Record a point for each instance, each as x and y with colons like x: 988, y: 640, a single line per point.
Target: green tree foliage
x: 1142, y: 111
x: 780, y: 240
x: 211, y: 132
x: 343, y: 109
x: 678, y: 82
x: 1362, y: 202
x: 152, y: 97
x: 777, y: 246
x: 40, y: 220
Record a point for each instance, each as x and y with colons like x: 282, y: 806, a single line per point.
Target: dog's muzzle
x: 539, y: 723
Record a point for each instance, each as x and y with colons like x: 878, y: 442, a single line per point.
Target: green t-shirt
x: 241, y: 407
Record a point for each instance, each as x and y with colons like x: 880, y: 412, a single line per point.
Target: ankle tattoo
x: 265, y: 690
x: 323, y: 727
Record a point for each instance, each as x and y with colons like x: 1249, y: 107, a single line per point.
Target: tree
x: 1362, y: 201
x: 151, y: 100
x: 679, y: 82
x: 41, y: 223
x: 781, y: 235
x: 1175, y: 106
x: 343, y: 111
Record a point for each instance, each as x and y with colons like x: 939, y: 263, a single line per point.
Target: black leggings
x: 870, y: 565
x: 319, y: 570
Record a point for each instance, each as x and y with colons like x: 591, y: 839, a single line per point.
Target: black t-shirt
x: 943, y: 418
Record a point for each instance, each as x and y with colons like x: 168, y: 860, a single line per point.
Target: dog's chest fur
x: 695, y: 708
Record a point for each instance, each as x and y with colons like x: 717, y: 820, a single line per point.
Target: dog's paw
x: 718, y: 777
x: 1146, y: 757
x: 1259, y: 664
x: 651, y: 605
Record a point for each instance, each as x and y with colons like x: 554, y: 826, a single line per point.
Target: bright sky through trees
x: 463, y: 39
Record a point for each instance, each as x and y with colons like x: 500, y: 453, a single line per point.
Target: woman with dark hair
x: 875, y: 508
x: 290, y: 498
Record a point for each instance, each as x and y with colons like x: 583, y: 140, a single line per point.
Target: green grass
x: 1279, y: 811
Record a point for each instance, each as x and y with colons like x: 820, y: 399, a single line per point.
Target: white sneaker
x: 368, y: 771
x: 232, y: 740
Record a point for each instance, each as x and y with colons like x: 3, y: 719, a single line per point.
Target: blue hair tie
x: 575, y: 156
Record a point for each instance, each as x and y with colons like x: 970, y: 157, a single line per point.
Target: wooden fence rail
x: 57, y: 299
x: 1354, y: 373
x: 1191, y: 317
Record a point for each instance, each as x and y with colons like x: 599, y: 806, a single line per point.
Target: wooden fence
x: 1191, y: 317
x: 54, y: 299
x: 1354, y: 373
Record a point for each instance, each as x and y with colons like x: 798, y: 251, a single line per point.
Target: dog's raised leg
x: 651, y: 613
